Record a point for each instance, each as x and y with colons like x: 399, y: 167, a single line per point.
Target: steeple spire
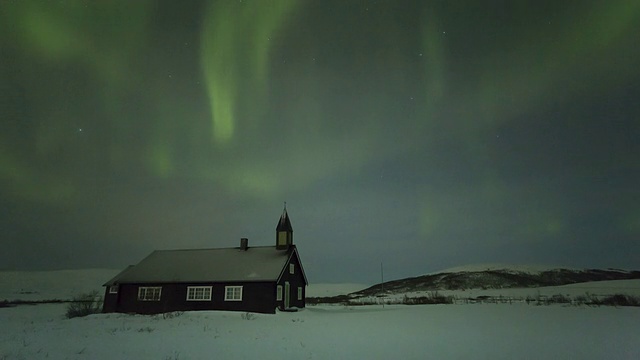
x: 284, y: 231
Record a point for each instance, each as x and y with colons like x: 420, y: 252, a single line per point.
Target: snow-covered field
x: 480, y: 331
x: 469, y: 331
x: 321, y: 290
x: 51, y: 285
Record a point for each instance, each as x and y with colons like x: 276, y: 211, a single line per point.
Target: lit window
x: 233, y: 293
x: 198, y: 293
x: 299, y: 292
x: 148, y: 293
x: 282, y: 238
x: 292, y: 268
x: 279, y: 293
x: 113, y: 289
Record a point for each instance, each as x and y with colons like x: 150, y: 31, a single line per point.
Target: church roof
x: 263, y: 263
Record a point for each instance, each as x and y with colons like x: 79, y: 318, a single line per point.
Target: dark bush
x: 432, y: 298
x: 559, y: 299
x: 84, y: 304
x: 619, y: 300
x: 340, y: 299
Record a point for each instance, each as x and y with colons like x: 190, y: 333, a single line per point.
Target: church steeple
x: 284, y: 231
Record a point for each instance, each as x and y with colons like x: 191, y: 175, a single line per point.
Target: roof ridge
x: 224, y: 248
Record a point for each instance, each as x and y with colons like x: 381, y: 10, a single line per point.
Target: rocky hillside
x: 496, y: 278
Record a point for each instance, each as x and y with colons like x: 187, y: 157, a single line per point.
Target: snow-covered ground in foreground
x: 478, y: 331
x: 461, y: 331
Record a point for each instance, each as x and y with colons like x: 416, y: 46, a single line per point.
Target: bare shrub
x: 172, y: 314
x: 619, y: 300
x: 433, y: 298
x: 248, y: 316
x: 84, y: 304
x: 589, y: 300
x: 580, y: 300
x: 558, y: 299
x: 340, y: 299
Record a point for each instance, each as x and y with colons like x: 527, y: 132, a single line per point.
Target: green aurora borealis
x: 468, y: 131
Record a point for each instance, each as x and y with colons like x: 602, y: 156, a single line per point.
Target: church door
x: 287, y: 294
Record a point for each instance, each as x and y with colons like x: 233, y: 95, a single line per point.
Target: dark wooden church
x: 255, y: 279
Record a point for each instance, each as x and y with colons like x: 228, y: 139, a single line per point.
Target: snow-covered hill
x: 320, y: 290
x: 51, y: 285
x: 516, y: 268
x: 497, y: 276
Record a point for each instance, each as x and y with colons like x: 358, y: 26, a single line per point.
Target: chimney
x: 244, y: 244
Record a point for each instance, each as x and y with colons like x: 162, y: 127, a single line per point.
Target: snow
x: 479, y: 331
x: 323, y: 290
x: 629, y: 287
x: 51, y: 285
x: 531, y: 269
x: 599, y: 289
x: 474, y: 331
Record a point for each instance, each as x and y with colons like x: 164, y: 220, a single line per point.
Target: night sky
x: 420, y: 134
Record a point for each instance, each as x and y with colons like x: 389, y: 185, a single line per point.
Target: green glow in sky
x: 28, y: 182
x: 435, y: 58
x: 99, y: 35
x: 468, y: 126
x: 236, y: 41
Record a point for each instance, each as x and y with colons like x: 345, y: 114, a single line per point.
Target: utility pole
x: 382, y: 282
